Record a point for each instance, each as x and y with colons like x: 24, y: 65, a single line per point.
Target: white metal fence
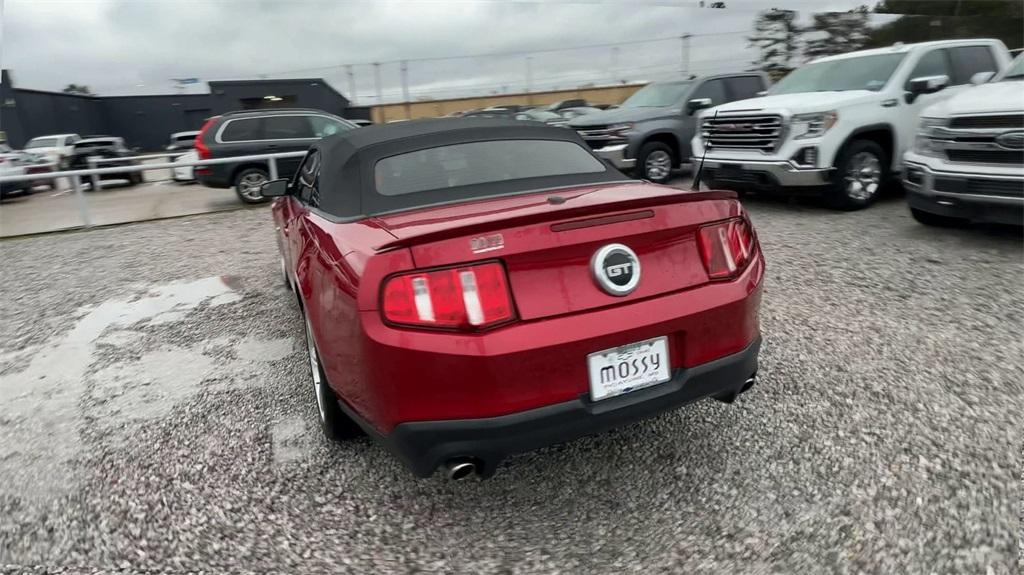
x: 94, y: 173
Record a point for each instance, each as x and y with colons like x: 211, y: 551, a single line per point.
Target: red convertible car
x: 474, y: 288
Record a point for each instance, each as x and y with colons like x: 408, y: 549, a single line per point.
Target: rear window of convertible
x: 481, y: 163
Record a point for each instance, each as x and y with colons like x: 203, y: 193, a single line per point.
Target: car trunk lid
x: 547, y: 240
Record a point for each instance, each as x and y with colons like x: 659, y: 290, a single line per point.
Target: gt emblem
x: 616, y: 269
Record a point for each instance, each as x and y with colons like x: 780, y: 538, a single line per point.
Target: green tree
x: 837, y: 32
x: 76, y: 89
x: 777, y: 38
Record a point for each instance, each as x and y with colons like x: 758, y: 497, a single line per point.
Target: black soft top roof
x: 347, y: 160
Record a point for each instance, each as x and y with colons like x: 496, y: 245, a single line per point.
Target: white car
x: 11, y: 165
x: 839, y: 125
x: 184, y: 173
x: 55, y: 148
x: 968, y: 159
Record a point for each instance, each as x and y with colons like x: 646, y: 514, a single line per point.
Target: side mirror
x: 982, y: 77
x: 274, y: 188
x: 697, y: 104
x: 928, y: 84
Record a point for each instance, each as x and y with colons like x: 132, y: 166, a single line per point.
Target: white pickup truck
x: 968, y: 160
x: 837, y: 126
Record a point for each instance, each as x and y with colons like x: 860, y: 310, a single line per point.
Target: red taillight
x: 469, y: 297
x: 200, y: 145
x: 726, y: 247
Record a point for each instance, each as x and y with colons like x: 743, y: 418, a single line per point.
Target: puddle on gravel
x: 251, y: 349
x: 293, y: 440
x: 149, y: 387
x: 39, y: 405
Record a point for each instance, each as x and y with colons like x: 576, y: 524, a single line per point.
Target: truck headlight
x: 926, y: 142
x: 804, y: 126
x: 620, y: 130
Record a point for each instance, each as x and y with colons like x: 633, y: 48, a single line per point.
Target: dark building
x: 146, y: 122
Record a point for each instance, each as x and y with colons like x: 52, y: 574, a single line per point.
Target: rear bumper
x: 763, y: 174
x: 214, y: 176
x: 425, y: 445
x: 973, y: 196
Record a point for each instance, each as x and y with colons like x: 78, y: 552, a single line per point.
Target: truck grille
x: 598, y: 137
x: 756, y: 132
x: 985, y: 187
x: 1000, y: 121
x: 1011, y: 157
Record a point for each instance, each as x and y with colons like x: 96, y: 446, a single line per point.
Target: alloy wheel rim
x: 314, y: 367
x: 864, y: 176
x: 251, y: 184
x: 657, y: 165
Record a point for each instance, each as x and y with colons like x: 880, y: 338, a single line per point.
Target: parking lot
x: 115, y: 203
x: 159, y: 418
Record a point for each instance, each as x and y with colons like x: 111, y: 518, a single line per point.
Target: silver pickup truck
x: 650, y: 132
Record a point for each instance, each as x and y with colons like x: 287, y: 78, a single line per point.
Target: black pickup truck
x: 103, y: 147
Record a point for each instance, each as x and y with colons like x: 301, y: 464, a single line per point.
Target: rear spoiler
x: 557, y: 212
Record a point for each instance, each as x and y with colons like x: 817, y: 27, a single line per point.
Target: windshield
x: 41, y: 143
x: 862, y: 73
x: 1014, y: 72
x: 94, y: 144
x: 661, y: 95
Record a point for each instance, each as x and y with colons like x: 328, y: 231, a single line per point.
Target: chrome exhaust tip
x: 748, y: 383
x: 460, y: 469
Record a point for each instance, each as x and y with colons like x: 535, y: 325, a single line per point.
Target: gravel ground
x: 155, y: 415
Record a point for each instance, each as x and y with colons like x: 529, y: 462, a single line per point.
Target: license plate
x: 628, y: 368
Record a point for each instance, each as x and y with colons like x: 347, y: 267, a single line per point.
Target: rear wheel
x: 248, y: 183
x: 335, y: 424
x: 861, y: 169
x: 655, y: 162
x: 930, y: 219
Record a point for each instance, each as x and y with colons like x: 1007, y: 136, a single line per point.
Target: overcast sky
x: 138, y: 46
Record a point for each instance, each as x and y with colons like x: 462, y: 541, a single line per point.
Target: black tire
x: 245, y: 181
x: 850, y: 189
x: 935, y: 220
x: 284, y: 274
x: 135, y: 178
x: 335, y: 424
x: 650, y: 162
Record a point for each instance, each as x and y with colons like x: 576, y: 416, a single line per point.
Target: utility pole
x: 685, y: 38
x: 380, y: 96
x: 529, y: 79
x: 405, y: 89
x: 351, y: 83
x: 614, y: 66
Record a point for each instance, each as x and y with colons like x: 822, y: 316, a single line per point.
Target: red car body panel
x: 389, y: 375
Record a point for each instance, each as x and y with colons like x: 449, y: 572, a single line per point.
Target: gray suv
x: 651, y: 131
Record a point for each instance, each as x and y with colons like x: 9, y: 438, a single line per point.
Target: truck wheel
x: 655, y: 162
x: 930, y: 219
x: 248, y: 183
x: 336, y: 425
x: 861, y: 169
